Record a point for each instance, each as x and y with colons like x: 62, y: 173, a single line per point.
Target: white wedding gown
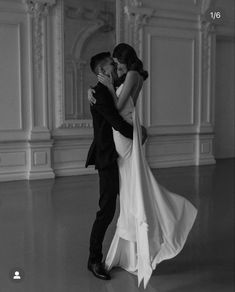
x: 154, y: 223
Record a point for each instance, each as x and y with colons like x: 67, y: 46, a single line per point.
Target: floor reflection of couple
x: 154, y: 223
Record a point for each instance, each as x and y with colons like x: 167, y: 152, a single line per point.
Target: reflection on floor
x: 45, y: 227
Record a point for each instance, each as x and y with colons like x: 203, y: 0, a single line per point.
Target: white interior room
x: 187, y: 105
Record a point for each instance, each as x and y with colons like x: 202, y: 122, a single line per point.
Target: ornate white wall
x: 176, y: 40
x: 179, y: 93
x: 14, y: 91
x: 25, y: 138
x: 89, y: 28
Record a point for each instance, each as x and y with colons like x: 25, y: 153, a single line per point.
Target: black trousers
x: 109, y: 188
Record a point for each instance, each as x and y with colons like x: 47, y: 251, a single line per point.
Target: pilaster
x: 137, y: 16
x: 40, y: 142
x: 205, y: 136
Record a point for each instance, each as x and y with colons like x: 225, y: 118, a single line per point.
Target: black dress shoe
x: 98, y: 271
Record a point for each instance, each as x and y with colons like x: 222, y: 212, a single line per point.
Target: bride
x: 153, y: 223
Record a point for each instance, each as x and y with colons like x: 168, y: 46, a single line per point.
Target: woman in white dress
x: 154, y: 223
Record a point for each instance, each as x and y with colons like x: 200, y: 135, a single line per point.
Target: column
x: 40, y: 142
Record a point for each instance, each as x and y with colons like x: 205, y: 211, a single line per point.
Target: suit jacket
x: 102, y: 152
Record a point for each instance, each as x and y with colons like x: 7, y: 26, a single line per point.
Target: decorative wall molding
x: 58, y: 72
x: 207, y: 29
x: 13, y: 160
x: 208, y: 75
x: 25, y: 151
x: 39, y: 157
x: 12, y: 57
x: 15, y: 81
x: 75, y: 67
x: 38, y: 9
x: 40, y: 143
x: 94, y: 22
x: 205, y: 152
x: 171, y: 150
x: 198, y: 30
x: 59, y: 69
x: 181, y: 47
x: 59, y: 60
x: 181, y: 150
x: 120, y: 21
x: 76, y: 124
x: 70, y: 155
x: 137, y: 16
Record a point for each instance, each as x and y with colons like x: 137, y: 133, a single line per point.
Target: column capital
x: 38, y: 7
x: 137, y: 16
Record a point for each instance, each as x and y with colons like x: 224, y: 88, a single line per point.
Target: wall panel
x: 171, y: 80
x: 10, y: 77
x: 14, y: 91
x: 171, y: 90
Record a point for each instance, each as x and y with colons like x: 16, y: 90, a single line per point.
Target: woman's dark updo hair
x: 127, y: 55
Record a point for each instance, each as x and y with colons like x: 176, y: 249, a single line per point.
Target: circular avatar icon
x: 16, y: 274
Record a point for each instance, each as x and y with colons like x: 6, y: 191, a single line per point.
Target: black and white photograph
x: 117, y: 145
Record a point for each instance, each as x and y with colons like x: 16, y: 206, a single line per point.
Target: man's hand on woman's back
x: 90, y: 96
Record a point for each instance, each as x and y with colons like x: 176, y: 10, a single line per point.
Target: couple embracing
x: 153, y: 223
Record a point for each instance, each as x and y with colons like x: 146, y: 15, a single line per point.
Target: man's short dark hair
x: 98, y: 59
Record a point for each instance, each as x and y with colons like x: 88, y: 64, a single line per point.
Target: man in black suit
x: 103, y: 155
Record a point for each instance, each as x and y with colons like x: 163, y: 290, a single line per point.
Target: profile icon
x: 17, y: 276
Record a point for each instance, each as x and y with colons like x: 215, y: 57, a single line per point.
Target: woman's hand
x: 106, y: 80
x: 90, y: 96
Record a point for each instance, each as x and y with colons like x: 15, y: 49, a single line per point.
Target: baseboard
x: 13, y: 176
x: 36, y: 175
x: 157, y: 163
x: 74, y: 171
x: 207, y: 161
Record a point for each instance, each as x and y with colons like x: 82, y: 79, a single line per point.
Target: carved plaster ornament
x: 205, y: 19
x: 136, y: 3
x: 76, y: 125
x: 37, y: 10
x: 137, y: 16
x: 207, y: 29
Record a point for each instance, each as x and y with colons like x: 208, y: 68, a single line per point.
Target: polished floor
x: 45, y: 227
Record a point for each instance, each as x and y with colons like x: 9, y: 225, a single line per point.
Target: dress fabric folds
x: 153, y: 223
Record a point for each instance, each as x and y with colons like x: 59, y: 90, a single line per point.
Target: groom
x: 103, y: 155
